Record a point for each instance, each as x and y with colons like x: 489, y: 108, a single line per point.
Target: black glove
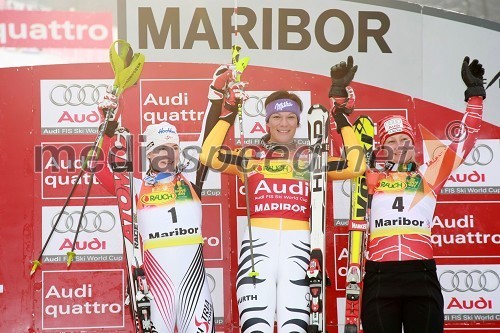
x: 341, y: 74
x: 472, y: 75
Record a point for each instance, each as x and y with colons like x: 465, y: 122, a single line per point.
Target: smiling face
x: 400, y: 148
x: 164, y: 158
x: 282, y: 127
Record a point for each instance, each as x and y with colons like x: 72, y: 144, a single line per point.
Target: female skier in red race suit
x: 401, y: 288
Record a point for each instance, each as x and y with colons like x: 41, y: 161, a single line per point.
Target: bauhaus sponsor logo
x: 474, y: 280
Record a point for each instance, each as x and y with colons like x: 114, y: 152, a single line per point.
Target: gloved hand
x: 223, y: 75
x: 472, y: 75
x: 234, y: 98
x: 108, y: 107
x: 341, y: 74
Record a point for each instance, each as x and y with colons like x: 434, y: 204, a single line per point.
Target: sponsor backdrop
x: 409, y: 61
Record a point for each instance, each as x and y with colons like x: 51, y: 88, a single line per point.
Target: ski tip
x: 71, y: 256
x: 316, y: 107
x: 36, y: 264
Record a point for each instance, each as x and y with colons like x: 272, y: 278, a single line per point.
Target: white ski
x: 318, y: 121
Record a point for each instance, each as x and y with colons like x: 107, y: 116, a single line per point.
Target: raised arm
x: 223, y: 96
x: 437, y: 171
x: 110, y: 156
x: 342, y: 99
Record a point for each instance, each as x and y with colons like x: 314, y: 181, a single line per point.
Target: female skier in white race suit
x: 169, y: 216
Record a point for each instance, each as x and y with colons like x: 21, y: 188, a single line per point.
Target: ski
x: 138, y: 294
x: 357, y: 231
x: 318, y: 130
x: 127, y: 67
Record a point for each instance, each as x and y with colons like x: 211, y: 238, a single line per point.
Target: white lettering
x: 52, y: 31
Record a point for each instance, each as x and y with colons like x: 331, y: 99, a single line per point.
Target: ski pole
x: 127, y: 67
x: 243, y: 63
x: 37, y: 263
x: 253, y: 273
x: 90, y: 157
x: 125, y: 76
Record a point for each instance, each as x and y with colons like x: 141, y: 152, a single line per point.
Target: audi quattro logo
x: 474, y: 280
x: 92, y: 221
x: 76, y: 94
x: 481, y: 154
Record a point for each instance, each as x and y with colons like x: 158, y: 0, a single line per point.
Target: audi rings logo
x: 345, y: 188
x: 480, y: 155
x: 75, y: 94
x: 475, y: 280
x: 211, y: 282
x: 254, y: 106
x: 92, y: 221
